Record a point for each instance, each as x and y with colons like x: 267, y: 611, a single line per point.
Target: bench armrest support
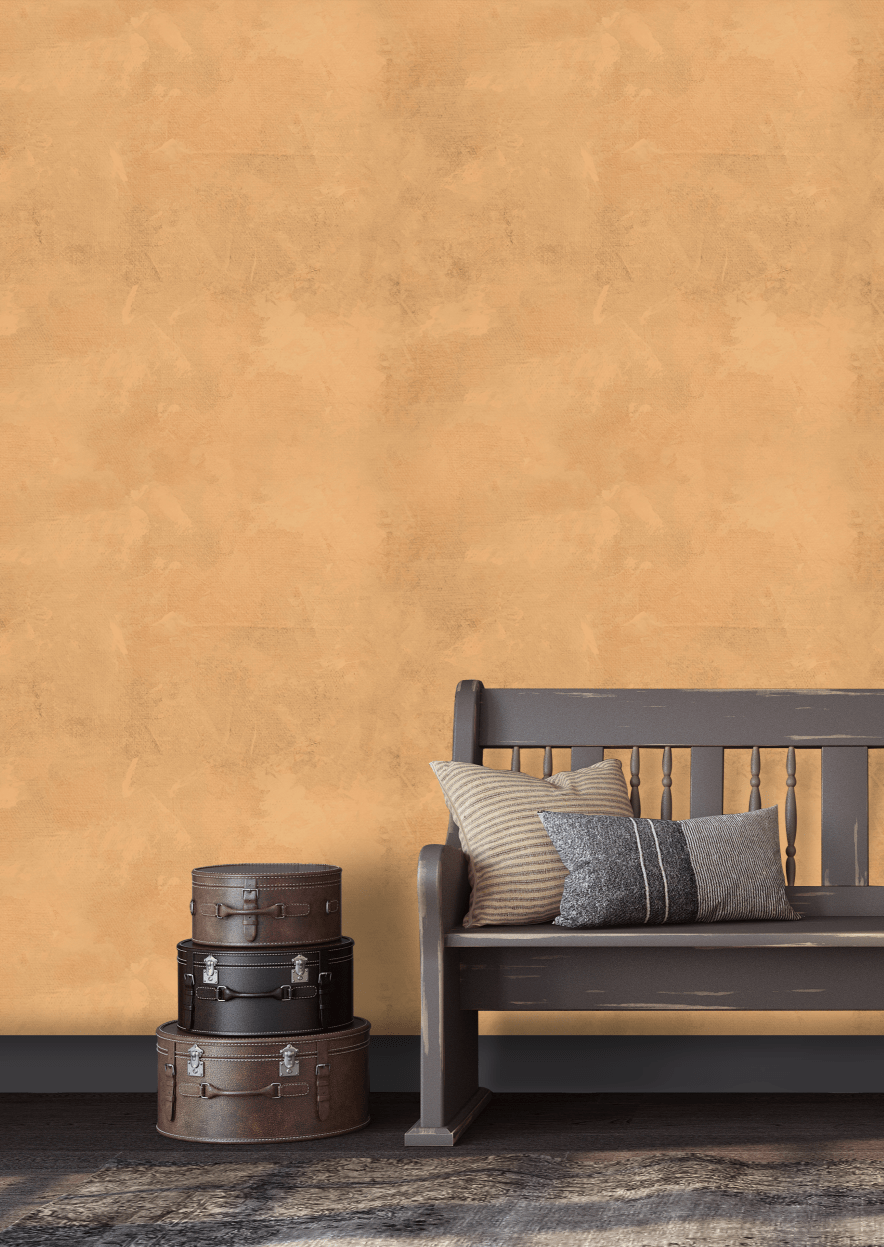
x: 450, y: 1095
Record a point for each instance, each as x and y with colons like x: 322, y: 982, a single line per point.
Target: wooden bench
x: 832, y: 959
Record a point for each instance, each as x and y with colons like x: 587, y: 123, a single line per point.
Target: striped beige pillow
x: 516, y: 875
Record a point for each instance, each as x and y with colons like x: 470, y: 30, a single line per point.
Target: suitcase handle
x: 228, y: 993
x: 208, y: 1092
x: 224, y: 911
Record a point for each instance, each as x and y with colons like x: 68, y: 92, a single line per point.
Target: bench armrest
x: 443, y: 890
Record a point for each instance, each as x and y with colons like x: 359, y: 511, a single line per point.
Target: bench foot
x: 447, y: 1136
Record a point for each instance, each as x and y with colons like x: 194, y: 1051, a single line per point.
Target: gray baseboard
x: 563, y: 1063
x: 713, y: 1064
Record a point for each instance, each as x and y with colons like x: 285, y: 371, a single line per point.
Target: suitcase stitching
x: 270, y: 1056
x: 276, y: 887
x: 283, y: 964
x: 268, y: 943
x: 242, y: 1043
x: 306, y: 875
x: 357, y: 1033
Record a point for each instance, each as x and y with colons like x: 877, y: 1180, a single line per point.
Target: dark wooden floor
x: 49, y: 1143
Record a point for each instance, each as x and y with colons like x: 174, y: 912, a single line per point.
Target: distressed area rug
x: 458, y: 1200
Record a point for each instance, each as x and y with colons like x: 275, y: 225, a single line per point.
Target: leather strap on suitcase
x: 168, y: 1087
x: 189, y: 989
x: 324, y: 983
x: 323, y: 1079
x: 249, y: 902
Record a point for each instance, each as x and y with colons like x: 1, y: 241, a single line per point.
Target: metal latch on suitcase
x: 195, y: 1061
x: 210, y: 970
x: 300, y: 973
x: 288, y: 1064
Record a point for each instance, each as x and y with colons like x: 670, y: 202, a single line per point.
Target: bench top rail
x: 728, y: 718
x: 842, y: 723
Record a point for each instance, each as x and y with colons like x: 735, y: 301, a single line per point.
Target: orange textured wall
x: 354, y: 347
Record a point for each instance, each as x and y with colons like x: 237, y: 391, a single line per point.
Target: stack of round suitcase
x: 265, y: 1048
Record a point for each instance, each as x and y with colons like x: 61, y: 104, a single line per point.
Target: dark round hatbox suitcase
x: 255, y: 991
x: 211, y: 1089
x: 266, y: 904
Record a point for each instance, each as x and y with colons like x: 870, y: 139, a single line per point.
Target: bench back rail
x: 842, y: 724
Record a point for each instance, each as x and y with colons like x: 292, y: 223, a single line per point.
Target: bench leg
x: 451, y: 1097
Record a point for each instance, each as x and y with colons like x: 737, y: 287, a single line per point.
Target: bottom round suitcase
x: 212, y: 1089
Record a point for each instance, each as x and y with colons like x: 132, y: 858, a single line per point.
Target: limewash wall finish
x: 354, y: 347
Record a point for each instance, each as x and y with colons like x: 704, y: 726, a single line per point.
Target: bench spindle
x: 666, y: 799
x: 755, y: 781
x: 516, y: 764
x: 547, y: 762
x: 791, y: 816
x: 634, y: 782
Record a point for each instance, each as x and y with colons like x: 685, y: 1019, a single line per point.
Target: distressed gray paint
x: 450, y: 1092
x: 732, y: 718
x: 586, y: 756
x: 690, y: 978
x: 845, y: 815
x: 707, y: 780
x: 812, y: 932
x: 833, y: 959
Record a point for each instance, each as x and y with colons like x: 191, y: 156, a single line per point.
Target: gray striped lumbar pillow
x: 516, y: 875
x: 636, y: 871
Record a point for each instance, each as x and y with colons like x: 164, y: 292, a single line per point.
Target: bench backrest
x: 842, y: 723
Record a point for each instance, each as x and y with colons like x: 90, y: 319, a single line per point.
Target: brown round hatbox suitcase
x: 264, y: 904
x: 212, y: 1089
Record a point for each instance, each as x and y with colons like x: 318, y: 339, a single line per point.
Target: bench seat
x: 808, y: 933
x: 816, y: 964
